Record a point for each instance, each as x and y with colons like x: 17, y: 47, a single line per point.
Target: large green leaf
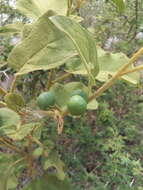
x: 36, y: 8
x: 19, y: 132
x: 83, y: 41
x: 8, y: 117
x: 109, y: 63
x: 27, y: 28
x: 11, y: 29
x: 44, y: 48
x: 49, y: 182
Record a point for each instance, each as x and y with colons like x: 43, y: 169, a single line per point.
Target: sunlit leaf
x: 109, y: 63
x: 36, y: 8
x: 18, y: 133
x: 26, y: 31
x: 83, y: 41
x: 44, y: 48
x: 8, y: 117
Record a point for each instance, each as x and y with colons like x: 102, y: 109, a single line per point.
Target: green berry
x: 45, y: 100
x: 77, y: 105
x: 80, y: 93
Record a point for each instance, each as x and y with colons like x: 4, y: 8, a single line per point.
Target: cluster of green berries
x: 76, y: 105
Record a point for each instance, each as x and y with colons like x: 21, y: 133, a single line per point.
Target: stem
x: 79, y: 2
x: 133, y: 70
x: 11, y: 146
x: 116, y: 76
x: 49, y: 83
x: 62, y: 77
x: 2, y: 104
x: 69, y: 7
x: 13, y: 85
x: 36, y: 141
x: 2, y: 91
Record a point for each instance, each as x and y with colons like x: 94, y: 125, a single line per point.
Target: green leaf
x: 11, y: 29
x: 93, y: 105
x: 120, y: 5
x: 61, y: 95
x: 109, y: 64
x: 8, y: 179
x: 36, y: 8
x: 54, y: 161
x: 45, y: 48
x: 49, y: 182
x: 83, y: 41
x: 19, y: 132
x: 26, y: 31
x: 14, y: 101
x: 8, y: 117
x: 70, y: 87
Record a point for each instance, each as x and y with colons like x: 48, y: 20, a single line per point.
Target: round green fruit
x: 77, y: 105
x: 80, y: 93
x: 45, y: 100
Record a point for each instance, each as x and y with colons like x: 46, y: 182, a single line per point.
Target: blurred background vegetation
x: 103, y: 150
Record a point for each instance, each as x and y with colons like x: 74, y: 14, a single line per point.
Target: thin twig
x: 69, y: 7
x: 62, y: 77
x: 2, y: 91
x: 11, y: 146
x: 133, y: 70
x: 2, y: 104
x: 50, y: 77
x: 13, y: 85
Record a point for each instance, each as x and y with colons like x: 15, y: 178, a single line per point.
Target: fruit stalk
x: 2, y: 91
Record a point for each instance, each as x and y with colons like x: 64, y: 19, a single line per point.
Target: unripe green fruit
x: 45, y: 100
x: 77, y: 105
x: 80, y: 93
